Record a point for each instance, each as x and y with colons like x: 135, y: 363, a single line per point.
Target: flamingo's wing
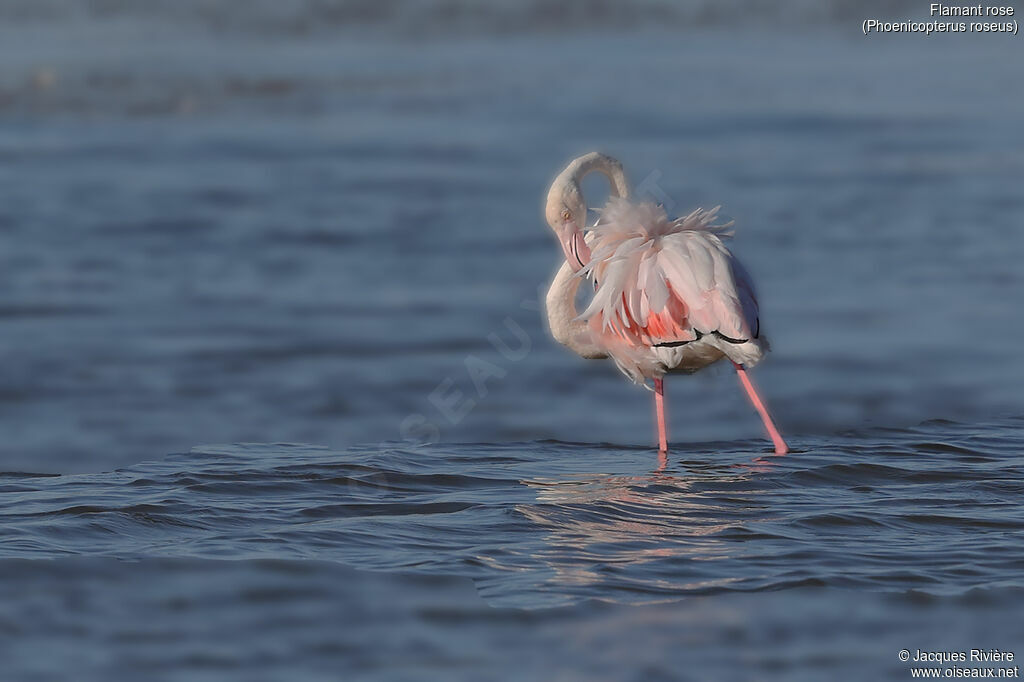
x: 673, y: 288
x: 716, y: 289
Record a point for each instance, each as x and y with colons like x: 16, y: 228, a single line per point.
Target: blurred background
x: 313, y: 220
x: 294, y: 222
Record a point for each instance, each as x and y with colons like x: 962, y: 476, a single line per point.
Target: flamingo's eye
x: 566, y: 214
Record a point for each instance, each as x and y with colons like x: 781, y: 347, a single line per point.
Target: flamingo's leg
x: 659, y: 408
x: 780, y: 445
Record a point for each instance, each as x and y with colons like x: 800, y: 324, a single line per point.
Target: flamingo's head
x: 566, y: 210
x: 566, y: 213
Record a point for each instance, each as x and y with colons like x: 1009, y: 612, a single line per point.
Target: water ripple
x: 550, y: 522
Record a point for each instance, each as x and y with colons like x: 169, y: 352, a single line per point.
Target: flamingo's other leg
x: 659, y: 408
x: 780, y: 445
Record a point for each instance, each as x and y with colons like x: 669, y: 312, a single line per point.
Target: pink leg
x: 662, y: 461
x: 780, y: 445
x: 659, y: 408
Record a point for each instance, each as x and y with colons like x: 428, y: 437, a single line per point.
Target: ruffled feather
x: 662, y: 280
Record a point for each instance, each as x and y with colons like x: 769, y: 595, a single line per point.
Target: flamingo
x: 668, y: 295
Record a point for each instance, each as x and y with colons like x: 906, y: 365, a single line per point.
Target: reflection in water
x: 598, y: 524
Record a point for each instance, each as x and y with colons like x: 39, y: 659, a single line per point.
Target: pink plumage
x: 669, y: 296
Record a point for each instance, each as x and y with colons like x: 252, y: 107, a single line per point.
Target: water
x: 263, y: 561
x: 310, y: 222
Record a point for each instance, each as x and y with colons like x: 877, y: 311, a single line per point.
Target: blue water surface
x: 308, y: 223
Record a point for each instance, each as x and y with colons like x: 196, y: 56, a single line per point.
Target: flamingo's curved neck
x: 609, y: 167
x: 560, y: 305
x: 561, y: 299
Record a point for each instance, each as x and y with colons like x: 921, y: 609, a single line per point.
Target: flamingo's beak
x: 577, y: 253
